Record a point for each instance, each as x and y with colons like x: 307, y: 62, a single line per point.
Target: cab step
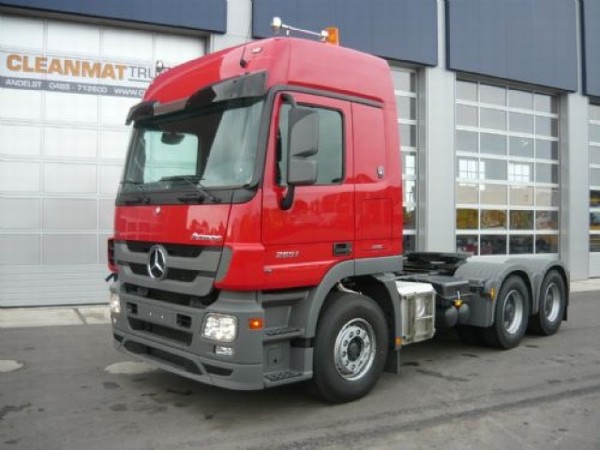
x: 285, y: 377
x: 282, y: 333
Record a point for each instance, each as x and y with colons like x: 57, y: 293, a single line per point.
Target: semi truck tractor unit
x: 258, y: 230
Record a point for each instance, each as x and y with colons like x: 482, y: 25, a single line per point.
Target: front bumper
x: 169, y: 336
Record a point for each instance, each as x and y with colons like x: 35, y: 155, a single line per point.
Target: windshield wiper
x: 138, y: 199
x: 201, y: 193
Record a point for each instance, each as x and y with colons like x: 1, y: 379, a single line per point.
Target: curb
x: 54, y: 316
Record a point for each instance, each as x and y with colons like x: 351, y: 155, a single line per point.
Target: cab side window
x: 331, y: 146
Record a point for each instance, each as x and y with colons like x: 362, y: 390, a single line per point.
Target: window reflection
x: 492, y: 118
x: 546, y: 149
x: 521, y: 195
x: 595, y: 221
x: 409, y: 217
x: 546, y: 244
x: 409, y: 243
x: 521, y: 244
x: 520, y: 123
x: 494, y: 144
x: 493, y: 194
x: 521, y: 147
x: 546, y: 196
x: 467, y: 193
x: 467, y: 244
x: 521, y: 220
x: 467, y: 219
x: 492, y: 94
x: 466, y: 115
x: 546, y: 173
x: 520, y: 99
x: 406, y: 107
x: 546, y: 220
x: 470, y: 169
x: 493, y: 219
x: 494, y: 169
x: 594, y: 198
x: 521, y: 172
x: 408, y: 135
x: 409, y: 163
x: 595, y: 243
x: 466, y: 141
x: 493, y: 244
x: 466, y: 90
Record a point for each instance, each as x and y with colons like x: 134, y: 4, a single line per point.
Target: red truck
x: 258, y: 230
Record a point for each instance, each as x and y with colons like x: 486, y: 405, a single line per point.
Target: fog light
x: 220, y: 327
x: 223, y: 351
x: 115, y: 303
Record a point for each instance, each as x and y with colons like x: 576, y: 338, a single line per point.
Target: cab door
x: 317, y: 231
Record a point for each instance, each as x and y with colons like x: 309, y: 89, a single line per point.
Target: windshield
x: 214, y: 147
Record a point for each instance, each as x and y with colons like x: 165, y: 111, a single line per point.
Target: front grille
x: 172, y: 334
x: 184, y: 275
x: 189, y: 270
x: 173, y: 298
x: 180, y: 250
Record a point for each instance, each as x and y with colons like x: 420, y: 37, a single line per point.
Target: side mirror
x: 303, y: 142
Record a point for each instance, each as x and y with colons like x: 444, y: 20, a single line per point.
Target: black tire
x: 553, y: 301
x: 470, y: 335
x: 511, y: 315
x: 351, y: 346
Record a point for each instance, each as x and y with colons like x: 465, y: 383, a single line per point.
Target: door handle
x: 342, y: 248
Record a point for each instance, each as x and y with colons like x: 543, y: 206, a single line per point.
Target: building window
x: 507, y: 170
x: 405, y: 88
x: 594, y: 158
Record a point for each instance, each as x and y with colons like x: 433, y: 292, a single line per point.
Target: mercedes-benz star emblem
x: 157, y: 263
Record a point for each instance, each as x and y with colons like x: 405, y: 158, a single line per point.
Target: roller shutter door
x: 65, y: 89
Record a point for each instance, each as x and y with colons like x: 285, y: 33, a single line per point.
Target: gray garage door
x: 65, y: 90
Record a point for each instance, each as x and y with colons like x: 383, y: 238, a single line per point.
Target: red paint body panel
x: 378, y: 184
x: 174, y: 223
x: 247, y: 251
x: 319, y: 217
x: 271, y: 248
x: 288, y: 61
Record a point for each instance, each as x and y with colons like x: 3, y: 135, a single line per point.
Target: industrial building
x: 498, y: 110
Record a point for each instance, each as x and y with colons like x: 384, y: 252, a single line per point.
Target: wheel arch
x: 493, y: 274
x: 364, y: 276
x: 537, y: 270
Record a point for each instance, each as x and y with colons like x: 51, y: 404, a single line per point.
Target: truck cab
x: 258, y: 229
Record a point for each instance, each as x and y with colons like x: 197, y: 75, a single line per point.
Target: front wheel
x: 350, y: 348
x: 511, y: 315
x: 553, y: 301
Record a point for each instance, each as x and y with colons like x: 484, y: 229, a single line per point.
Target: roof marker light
x: 333, y: 35
x: 277, y: 25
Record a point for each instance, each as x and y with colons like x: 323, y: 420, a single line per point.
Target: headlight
x: 220, y: 327
x: 114, y: 303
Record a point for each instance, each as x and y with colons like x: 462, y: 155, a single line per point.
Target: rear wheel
x: 553, y: 301
x: 511, y: 315
x: 350, y: 348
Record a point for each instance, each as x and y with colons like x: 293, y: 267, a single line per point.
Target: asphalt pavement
x: 63, y: 386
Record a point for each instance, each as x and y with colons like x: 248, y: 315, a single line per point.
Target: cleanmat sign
x: 32, y: 71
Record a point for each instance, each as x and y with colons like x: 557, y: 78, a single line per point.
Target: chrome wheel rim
x: 354, y: 349
x: 512, y: 313
x: 552, y: 300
